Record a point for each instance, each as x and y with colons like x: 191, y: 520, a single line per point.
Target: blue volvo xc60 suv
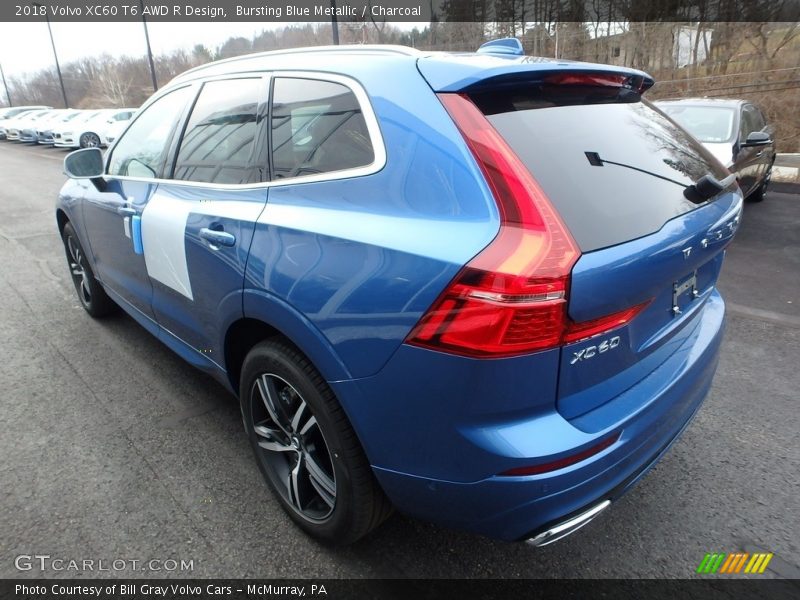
x: 477, y: 288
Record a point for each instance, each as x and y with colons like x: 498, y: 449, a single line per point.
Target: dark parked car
x: 735, y: 132
x: 480, y: 288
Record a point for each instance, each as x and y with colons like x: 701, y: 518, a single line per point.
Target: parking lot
x: 113, y: 447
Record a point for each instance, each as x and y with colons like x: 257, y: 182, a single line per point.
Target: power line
x: 727, y: 75
x: 795, y: 87
x: 751, y: 85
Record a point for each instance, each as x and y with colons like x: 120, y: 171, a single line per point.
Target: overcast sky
x: 25, y: 47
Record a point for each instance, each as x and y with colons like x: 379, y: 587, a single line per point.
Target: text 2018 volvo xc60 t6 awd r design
x: 478, y: 288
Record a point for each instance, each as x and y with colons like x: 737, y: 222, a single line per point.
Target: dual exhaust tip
x: 564, y: 528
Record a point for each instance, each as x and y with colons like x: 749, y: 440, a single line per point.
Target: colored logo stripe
x: 721, y: 562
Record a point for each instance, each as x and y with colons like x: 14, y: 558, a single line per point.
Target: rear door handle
x: 126, y: 211
x: 217, y: 238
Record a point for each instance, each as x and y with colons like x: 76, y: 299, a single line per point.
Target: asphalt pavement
x: 113, y: 448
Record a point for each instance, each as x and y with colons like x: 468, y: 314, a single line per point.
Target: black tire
x: 91, y: 294
x: 301, y: 461
x: 759, y: 194
x: 90, y: 140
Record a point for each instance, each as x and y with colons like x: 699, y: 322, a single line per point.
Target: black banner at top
x: 484, y: 11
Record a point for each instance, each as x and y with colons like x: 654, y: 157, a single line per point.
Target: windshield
x: 710, y: 124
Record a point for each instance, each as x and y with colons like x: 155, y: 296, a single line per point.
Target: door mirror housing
x: 757, y: 138
x: 86, y: 164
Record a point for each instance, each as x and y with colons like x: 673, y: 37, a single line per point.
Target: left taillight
x: 511, y: 298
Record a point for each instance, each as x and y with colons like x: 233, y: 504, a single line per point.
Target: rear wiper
x: 707, y: 187
x: 704, y: 188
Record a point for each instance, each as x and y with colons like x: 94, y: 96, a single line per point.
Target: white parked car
x: 9, y: 113
x: 115, y: 128
x: 116, y: 124
x: 44, y: 132
x: 13, y: 126
x: 88, y: 131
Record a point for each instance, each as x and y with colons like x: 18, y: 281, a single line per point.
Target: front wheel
x: 760, y: 192
x: 90, y: 140
x: 305, y: 447
x: 91, y: 294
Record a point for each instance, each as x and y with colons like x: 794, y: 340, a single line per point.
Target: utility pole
x: 334, y: 24
x: 55, y: 54
x: 149, y: 50
x: 5, y: 85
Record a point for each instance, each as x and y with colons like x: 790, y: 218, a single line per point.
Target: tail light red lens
x: 586, y: 329
x: 511, y: 298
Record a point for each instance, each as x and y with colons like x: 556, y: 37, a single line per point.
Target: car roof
x: 444, y: 70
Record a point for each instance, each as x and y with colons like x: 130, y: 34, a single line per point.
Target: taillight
x: 511, y: 298
x: 586, y: 329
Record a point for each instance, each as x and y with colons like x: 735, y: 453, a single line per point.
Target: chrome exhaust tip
x: 564, y: 528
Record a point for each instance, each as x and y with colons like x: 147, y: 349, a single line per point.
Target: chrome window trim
x: 371, y: 120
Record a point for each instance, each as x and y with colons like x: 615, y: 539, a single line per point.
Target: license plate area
x: 684, y: 292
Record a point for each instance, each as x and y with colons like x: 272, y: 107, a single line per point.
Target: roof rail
x: 347, y: 48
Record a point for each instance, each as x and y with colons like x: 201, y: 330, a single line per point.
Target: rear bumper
x: 443, y: 488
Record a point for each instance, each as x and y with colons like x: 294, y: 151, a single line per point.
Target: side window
x: 218, y: 144
x: 758, y: 118
x: 317, y: 127
x: 141, y: 151
x: 748, y: 122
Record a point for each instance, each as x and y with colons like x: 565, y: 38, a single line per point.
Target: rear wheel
x: 305, y: 447
x: 90, y: 140
x: 91, y: 294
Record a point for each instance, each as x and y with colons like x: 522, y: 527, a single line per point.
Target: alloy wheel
x: 91, y: 140
x: 292, y: 448
x: 77, y: 268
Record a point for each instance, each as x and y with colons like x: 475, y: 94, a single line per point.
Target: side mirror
x: 757, y: 138
x: 86, y: 164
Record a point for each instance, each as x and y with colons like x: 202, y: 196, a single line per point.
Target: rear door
x: 198, y: 226
x: 621, y: 175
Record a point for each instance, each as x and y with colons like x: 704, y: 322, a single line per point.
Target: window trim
x: 179, y: 125
x: 175, y: 148
x: 370, y: 118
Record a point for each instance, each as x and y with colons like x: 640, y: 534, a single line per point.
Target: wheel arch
x: 264, y: 317
x: 62, y: 219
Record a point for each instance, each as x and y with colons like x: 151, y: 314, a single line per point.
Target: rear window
x: 615, y: 171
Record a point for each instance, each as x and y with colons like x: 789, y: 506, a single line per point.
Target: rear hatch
x: 623, y: 178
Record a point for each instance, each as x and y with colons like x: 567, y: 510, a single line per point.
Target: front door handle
x: 217, y: 238
x: 126, y: 211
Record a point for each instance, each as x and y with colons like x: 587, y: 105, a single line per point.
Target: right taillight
x: 512, y: 297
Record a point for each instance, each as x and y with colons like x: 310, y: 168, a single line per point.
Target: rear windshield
x: 614, y: 171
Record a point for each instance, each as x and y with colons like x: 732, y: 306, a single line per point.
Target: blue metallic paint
x: 115, y: 262
x: 473, y: 498
x: 341, y: 269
